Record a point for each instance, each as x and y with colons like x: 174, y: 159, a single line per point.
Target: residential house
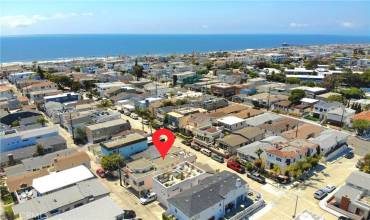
x: 102, y: 87
x: 223, y: 90
x: 262, y: 119
x: 321, y: 108
x: 170, y: 183
x: 138, y: 173
x: 284, y: 154
x: 103, y: 208
x: 56, y: 181
x: 37, y: 163
x: 231, y: 123
x: 330, y: 140
x: 61, y: 201
x: 276, y: 127
x: 42, y: 85
x: 13, y: 139
x: 352, y: 199
x: 340, y: 116
x: 264, y: 99
x: 126, y: 145
x: 49, y: 145
x: 73, y: 160
x: 206, y: 136
x: 311, y: 92
x: 212, y: 198
x: 23, y: 182
x: 14, y: 77
x: 228, y: 145
x: 304, y: 131
x: 62, y: 98
x: 104, y: 131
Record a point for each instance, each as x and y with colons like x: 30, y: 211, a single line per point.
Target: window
x: 141, y: 183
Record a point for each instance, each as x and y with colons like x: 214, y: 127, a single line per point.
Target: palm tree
x: 259, y: 152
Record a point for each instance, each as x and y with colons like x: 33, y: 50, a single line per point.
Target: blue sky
x: 344, y: 17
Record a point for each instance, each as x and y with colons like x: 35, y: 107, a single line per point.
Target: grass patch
x: 311, y: 118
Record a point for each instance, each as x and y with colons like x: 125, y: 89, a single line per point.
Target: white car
x: 150, y: 197
x: 134, y: 116
x: 329, y: 188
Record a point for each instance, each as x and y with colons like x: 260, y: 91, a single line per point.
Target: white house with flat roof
x: 55, y: 181
x: 102, y: 87
x: 232, y: 123
x: 182, y: 177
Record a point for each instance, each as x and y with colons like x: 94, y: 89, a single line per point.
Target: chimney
x: 344, y: 203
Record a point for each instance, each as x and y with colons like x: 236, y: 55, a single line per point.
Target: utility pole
x: 296, y: 130
x: 341, y: 119
x: 295, y: 208
x: 71, y: 123
x: 268, y: 99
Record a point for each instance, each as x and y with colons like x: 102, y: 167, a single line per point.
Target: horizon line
x: 158, y: 34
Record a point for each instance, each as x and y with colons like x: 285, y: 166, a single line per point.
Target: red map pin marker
x: 163, y: 146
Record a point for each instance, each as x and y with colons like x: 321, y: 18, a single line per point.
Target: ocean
x: 51, y: 47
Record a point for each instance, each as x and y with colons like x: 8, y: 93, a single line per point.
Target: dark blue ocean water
x: 47, y: 47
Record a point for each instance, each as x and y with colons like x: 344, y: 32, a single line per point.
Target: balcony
x: 249, y: 206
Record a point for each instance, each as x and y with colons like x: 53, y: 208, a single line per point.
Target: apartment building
x: 126, y: 145
x: 103, y: 131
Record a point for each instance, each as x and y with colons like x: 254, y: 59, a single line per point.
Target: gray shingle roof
x: 207, y: 193
x: 49, y: 202
x: 102, y: 209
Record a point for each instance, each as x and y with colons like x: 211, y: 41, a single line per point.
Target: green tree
x: 293, y: 80
x: 15, y: 123
x: 259, y: 151
x: 276, y: 169
x: 252, y: 74
x: 106, y: 103
x: 39, y: 150
x: 202, y: 72
x: 361, y: 126
x: 296, y: 95
x: 352, y: 93
x: 112, y: 162
x: 80, y: 135
x: 138, y: 70
x: 41, y: 120
x: 335, y: 98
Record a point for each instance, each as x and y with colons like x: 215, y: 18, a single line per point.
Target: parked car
x: 349, y: 155
x: 320, y: 194
x: 147, y: 198
x: 146, y: 122
x: 126, y: 112
x: 205, y: 152
x: 329, y: 188
x: 343, y: 218
x: 257, y: 177
x: 134, y: 116
x: 195, y: 147
x: 100, y: 172
x: 186, y: 142
x: 235, y: 166
x: 217, y: 158
x: 129, y: 214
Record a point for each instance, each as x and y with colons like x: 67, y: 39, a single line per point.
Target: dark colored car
x: 320, y: 194
x: 217, y: 158
x: 195, y: 147
x: 187, y: 143
x: 257, y: 177
x: 129, y: 214
x: 235, y: 166
x: 349, y: 155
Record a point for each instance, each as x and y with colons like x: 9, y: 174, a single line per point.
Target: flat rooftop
x: 125, y: 140
x: 61, y: 179
x: 181, y: 173
x: 230, y: 120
